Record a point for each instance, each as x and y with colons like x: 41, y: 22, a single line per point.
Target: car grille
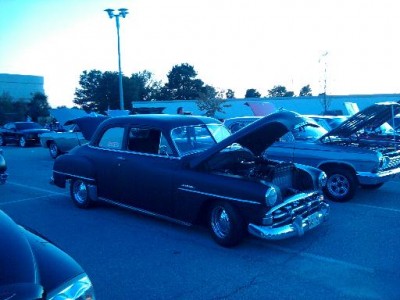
x: 394, y: 160
x: 301, y: 207
x: 283, y: 176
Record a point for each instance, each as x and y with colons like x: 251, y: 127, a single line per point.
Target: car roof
x: 163, y: 121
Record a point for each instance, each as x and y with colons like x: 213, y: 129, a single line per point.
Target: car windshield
x: 308, y: 131
x: 336, y: 121
x: 189, y: 139
x: 27, y: 125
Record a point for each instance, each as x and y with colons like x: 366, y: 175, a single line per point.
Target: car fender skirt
x: 298, y: 226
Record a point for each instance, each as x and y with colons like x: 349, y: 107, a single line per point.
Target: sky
x: 343, y: 47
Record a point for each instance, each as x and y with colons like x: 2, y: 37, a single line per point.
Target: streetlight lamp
x: 122, y: 13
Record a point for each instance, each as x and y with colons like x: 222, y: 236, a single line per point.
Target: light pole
x: 122, y: 13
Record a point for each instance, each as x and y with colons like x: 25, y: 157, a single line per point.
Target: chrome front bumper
x: 298, y: 226
x: 380, y: 177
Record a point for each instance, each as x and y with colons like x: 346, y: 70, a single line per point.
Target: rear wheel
x: 80, y: 193
x: 22, y: 142
x: 226, y: 224
x: 341, y: 184
x: 53, y: 149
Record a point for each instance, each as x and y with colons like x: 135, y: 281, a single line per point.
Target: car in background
x: 3, y: 168
x: 34, y: 268
x: 21, y: 133
x: 190, y: 169
x: 348, y: 160
x: 327, y: 121
x: 77, y: 132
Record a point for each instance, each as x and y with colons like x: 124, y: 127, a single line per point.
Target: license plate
x: 313, y: 220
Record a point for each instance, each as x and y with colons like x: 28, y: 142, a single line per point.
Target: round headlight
x: 322, y: 179
x: 271, y: 196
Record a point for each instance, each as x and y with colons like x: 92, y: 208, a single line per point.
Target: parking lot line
x: 323, y: 259
x: 35, y: 188
x: 378, y: 207
x: 27, y: 199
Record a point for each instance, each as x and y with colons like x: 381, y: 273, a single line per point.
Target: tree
x: 230, y: 94
x: 279, y: 91
x: 305, y: 91
x: 38, y: 106
x: 86, y: 95
x: 182, y: 83
x: 143, y: 87
x: 210, y: 106
x: 252, y: 93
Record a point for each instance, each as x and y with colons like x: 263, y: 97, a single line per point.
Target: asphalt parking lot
x: 355, y: 255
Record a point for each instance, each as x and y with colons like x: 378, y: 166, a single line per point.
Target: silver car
x: 348, y: 160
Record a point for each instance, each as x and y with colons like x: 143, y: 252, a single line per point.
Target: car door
x: 147, y: 172
x: 107, y: 155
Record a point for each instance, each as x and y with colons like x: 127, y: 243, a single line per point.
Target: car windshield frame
x: 197, y: 138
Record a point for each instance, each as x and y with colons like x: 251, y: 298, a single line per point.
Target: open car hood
x: 373, y: 116
x: 256, y: 136
x: 87, y: 125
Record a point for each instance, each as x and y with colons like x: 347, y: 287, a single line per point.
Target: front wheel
x: 80, y: 193
x: 22, y: 142
x: 53, y: 149
x: 341, y: 185
x: 226, y: 224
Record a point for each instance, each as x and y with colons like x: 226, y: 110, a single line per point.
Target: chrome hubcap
x: 338, y: 185
x: 53, y: 150
x: 220, y: 222
x: 80, y: 191
x: 22, y: 142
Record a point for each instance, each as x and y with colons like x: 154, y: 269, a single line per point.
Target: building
x: 245, y: 107
x: 21, y: 87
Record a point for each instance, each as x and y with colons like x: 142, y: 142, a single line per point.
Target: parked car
x: 327, y: 121
x: 21, y: 133
x: 34, y: 268
x: 3, y: 168
x: 78, y: 132
x: 190, y: 169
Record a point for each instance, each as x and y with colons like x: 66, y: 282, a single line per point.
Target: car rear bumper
x: 380, y: 177
x: 298, y: 226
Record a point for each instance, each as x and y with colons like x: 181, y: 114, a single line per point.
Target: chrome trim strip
x: 135, y: 152
x: 218, y: 196
x: 146, y: 212
x: 74, y: 176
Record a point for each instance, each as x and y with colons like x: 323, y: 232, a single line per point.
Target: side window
x: 144, y: 140
x: 112, y: 138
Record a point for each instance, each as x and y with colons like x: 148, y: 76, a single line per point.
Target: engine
x: 243, y: 163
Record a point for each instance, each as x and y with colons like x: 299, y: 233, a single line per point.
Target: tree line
x: 35, y: 109
x: 99, y: 91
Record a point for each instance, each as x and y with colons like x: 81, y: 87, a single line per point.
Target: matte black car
x: 3, y: 168
x: 31, y: 267
x: 21, y: 133
x: 190, y: 169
